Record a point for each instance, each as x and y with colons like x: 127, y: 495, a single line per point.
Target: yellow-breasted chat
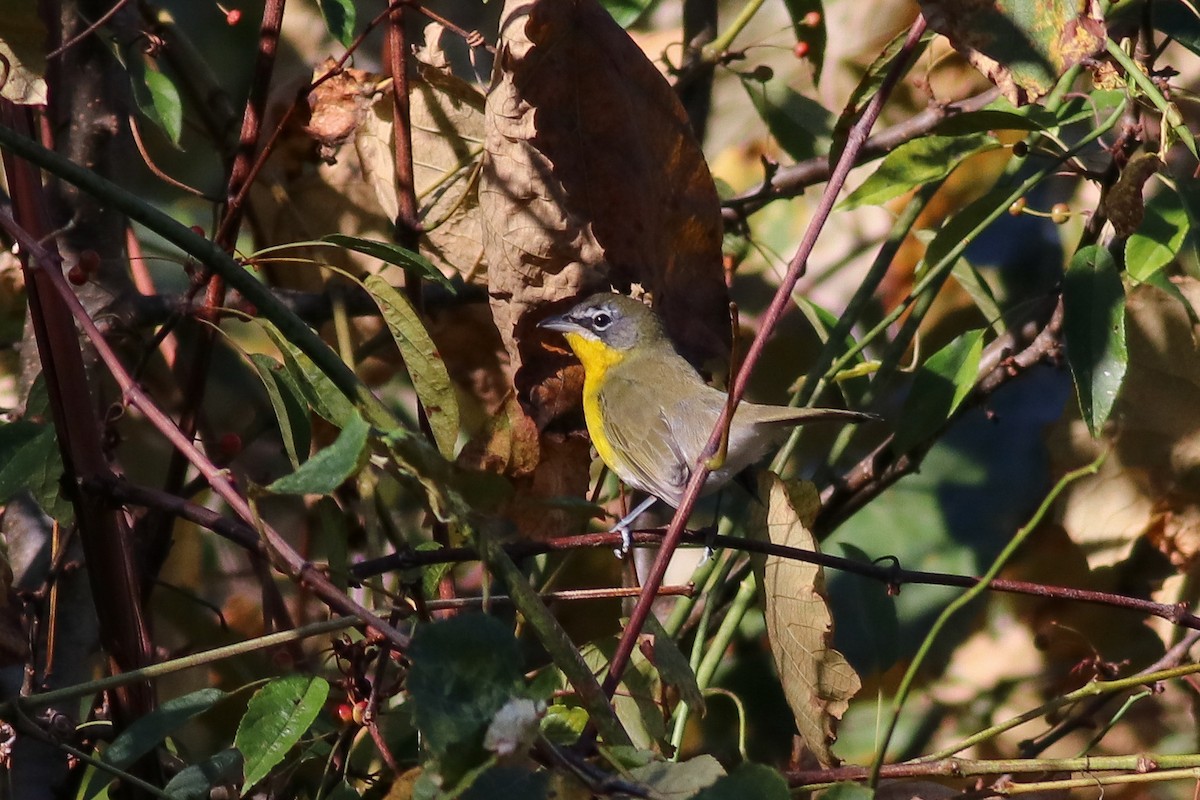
x: 650, y: 413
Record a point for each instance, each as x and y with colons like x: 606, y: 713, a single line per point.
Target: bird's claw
x: 626, y: 540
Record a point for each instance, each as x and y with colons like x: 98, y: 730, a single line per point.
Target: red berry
x: 196, y: 229
x: 800, y: 50
x: 812, y: 19
x: 89, y: 261
x: 233, y: 17
x: 230, y: 445
x: 77, y: 276
x: 345, y: 713
x: 1017, y: 207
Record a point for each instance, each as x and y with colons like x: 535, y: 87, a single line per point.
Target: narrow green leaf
x: 992, y: 119
x: 287, y: 403
x: 917, y: 162
x: 1177, y: 20
x: 330, y: 466
x: 980, y: 292
x: 939, y: 387
x: 320, y: 392
x: 144, y: 734
x: 276, y: 717
x: 339, y: 18
x: 195, y: 782
x: 425, y: 366
x: 1094, y: 328
x: 801, y: 126
x: 1160, y: 237
x: 392, y: 254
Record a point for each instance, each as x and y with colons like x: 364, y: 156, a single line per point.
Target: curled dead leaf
x: 817, y: 680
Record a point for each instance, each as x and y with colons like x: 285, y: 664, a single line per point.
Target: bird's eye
x: 601, y: 321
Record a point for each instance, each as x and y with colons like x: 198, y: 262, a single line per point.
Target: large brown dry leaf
x: 1150, y: 484
x: 1023, y: 46
x: 592, y: 178
x: 817, y: 680
x: 22, y: 54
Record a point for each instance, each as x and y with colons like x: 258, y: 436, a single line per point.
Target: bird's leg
x: 623, y: 528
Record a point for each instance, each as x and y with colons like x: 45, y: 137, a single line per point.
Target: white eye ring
x: 601, y: 320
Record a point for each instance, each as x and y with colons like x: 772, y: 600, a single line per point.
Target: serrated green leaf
x: 146, y: 733
x: 939, y: 387
x: 392, y: 254
x: 464, y: 670
x: 195, y: 782
x: 329, y: 467
x: 801, y: 126
x: 1094, y: 328
x: 1160, y: 237
x: 288, y: 404
x: 339, y: 18
x: 276, y: 717
x: 424, y: 363
x: 748, y: 780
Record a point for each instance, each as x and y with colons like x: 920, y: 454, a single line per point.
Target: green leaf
x: 320, y: 392
x: 339, y: 18
x: 30, y: 461
x: 1179, y: 21
x: 673, y: 666
x: 425, y: 366
x: 144, y: 734
x: 980, y: 292
x: 679, y: 780
x: 848, y: 791
x: 917, y: 162
x: 288, y: 404
x: 800, y: 125
x: 993, y: 119
x: 627, y: 12
x: 748, y: 780
x: 330, y: 466
x: 464, y: 670
x: 157, y: 98
x: 276, y: 717
x: 812, y: 35
x: 964, y: 226
x: 1160, y: 237
x: 1094, y: 328
x: 392, y: 254
x: 195, y: 782
x: 939, y: 387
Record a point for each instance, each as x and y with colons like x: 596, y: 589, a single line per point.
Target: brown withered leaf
x: 592, y: 178
x: 1123, y: 204
x: 817, y: 680
x: 1022, y: 46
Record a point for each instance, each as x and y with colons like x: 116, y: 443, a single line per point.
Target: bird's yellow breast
x: 597, y: 359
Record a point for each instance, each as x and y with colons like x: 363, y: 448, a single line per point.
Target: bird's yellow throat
x: 597, y: 358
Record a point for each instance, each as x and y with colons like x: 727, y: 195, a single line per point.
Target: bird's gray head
x: 620, y: 322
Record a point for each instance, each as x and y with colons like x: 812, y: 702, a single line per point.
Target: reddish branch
x: 115, y: 582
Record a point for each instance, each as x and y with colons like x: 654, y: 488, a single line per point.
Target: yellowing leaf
x: 817, y: 680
